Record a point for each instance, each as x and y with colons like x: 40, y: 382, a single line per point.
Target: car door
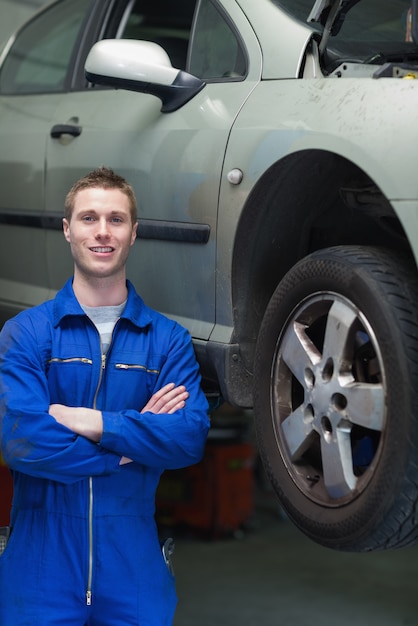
x: 33, y: 81
x: 174, y: 160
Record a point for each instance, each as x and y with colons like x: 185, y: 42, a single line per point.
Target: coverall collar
x: 66, y: 304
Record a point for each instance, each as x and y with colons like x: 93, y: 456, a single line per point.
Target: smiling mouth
x: 102, y: 249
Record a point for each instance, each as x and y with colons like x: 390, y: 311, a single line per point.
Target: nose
x: 102, y: 230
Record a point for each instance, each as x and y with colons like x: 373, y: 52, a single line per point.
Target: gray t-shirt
x: 104, y: 318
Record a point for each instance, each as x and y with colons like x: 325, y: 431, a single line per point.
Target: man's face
x: 100, y: 233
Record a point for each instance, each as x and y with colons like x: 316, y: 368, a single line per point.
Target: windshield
x: 373, y: 31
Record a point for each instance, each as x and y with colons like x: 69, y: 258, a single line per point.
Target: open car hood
x: 331, y: 14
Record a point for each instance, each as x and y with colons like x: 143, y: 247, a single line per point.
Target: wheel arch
x: 308, y: 200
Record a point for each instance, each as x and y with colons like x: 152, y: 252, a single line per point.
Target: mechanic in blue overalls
x: 98, y: 395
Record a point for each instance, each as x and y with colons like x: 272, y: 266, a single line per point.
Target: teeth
x: 102, y: 249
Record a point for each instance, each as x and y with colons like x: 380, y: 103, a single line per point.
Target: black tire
x: 336, y: 410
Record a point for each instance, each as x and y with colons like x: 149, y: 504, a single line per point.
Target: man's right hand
x: 167, y: 400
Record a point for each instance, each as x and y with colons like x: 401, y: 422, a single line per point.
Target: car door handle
x: 65, y: 129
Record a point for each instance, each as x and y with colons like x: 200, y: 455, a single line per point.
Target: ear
x: 134, y: 231
x: 66, y: 229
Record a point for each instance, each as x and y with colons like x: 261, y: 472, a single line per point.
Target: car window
x: 39, y: 59
x: 216, y: 51
x: 14, y: 14
x: 164, y: 22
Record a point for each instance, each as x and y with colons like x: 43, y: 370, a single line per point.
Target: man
x: 98, y: 395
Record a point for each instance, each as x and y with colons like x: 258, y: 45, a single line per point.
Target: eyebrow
x: 114, y: 212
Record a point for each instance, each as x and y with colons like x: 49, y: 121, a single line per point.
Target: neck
x: 99, y: 291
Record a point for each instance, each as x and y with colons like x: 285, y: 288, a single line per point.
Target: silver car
x: 271, y: 144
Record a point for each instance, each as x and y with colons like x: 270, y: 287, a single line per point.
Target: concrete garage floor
x: 274, y: 576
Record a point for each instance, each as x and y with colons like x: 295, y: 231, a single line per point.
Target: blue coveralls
x: 84, y: 548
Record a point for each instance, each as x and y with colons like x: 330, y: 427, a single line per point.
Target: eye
x: 116, y: 220
x: 87, y: 218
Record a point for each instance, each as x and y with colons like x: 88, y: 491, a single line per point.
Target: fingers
x: 167, y: 400
x: 180, y: 404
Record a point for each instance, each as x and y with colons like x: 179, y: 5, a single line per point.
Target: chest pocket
x: 130, y: 380
x: 70, y: 380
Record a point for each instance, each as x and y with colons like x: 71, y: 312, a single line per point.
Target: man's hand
x: 85, y: 422
x: 167, y: 400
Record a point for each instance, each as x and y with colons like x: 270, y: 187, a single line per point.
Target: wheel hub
x: 326, y: 403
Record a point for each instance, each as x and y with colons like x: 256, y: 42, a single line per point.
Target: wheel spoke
x: 339, y: 479
x: 298, y: 351
x: 339, y: 323
x: 297, y: 432
x: 365, y: 405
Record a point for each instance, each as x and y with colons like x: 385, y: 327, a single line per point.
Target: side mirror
x: 141, y: 66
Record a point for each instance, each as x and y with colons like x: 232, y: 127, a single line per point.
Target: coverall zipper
x: 89, y: 596
x: 133, y: 366
x: 91, y: 499
x: 79, y: 359
x: 90, y: 574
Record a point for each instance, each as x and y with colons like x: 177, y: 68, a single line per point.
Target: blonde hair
x: 104, y: 178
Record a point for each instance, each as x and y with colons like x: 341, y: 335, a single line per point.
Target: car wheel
x: 336, y: 379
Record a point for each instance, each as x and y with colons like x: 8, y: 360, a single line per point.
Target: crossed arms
x: 89, y: 422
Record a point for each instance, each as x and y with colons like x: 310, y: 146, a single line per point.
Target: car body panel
x: 317, y: 115
x: 258, y: 142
